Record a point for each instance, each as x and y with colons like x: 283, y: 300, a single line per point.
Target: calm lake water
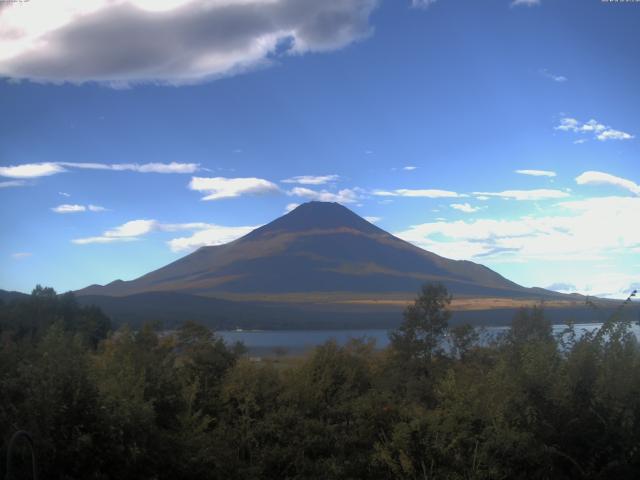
x: 267, y: 342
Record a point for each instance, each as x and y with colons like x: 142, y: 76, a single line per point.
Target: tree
x: 463, y: 338
x: 424, y: 325
x: 529, y: 325
x: 203, y: 358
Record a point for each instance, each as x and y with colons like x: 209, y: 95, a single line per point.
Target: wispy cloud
x: 31, y: 170
x: 212, y: 235
x: 75, y: 208
x: 291, y: 206
x: 312, y: 179
x: 611, y: 134
x: 168, y: 42
x: 594, y: 128
x: 424, y: 193
x: 601, y: 178
x: 125, y: 232
x: 536, y: 194
x: 373, y: 219
x: 422, y: 3
x: 35, y: 170
x: 203, y: 234
x: 69, y: 208
x: 218, y: 188
x: 465, y: 207
x: 562, y: 287
x: 602, y: 285
x: 21, y: 255
x: 153, y: 167
x: 346, y: 195
x: 569, y: 235
x: 537, y: 173
x: 64, y: 194
x: 13, y: 183
x: 551, y: 76
x: 96, y: 208
x: 410, y: 168
x: 525, y: 3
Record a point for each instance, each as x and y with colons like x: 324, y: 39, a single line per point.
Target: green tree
x: 530, y: 325
x: 425, y: 323
x: 463, y: 339
x: 203, y: 358
x: 55, y: 400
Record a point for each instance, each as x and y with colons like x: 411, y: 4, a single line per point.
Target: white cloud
x: 537, y: 173
x: 551, y: 76
x: 203, y: 234
x: 74, y: 208
x: 177, y: 227
x: 611, y: 134
x: 173, y: 167
x: 525, y: 3
x: 422, y: 3
x: 128, y: 231
x: 153, y: 167
x: 96, y: 208
x: 101, y: 239
x: 134, y: 228
x: 410, y: 168
x: 218, y: 188
x: 291, y: 206
x: 465, y: 207
x: 13, y: 183
x: 569, y: 235
x: 602, y: 285
x: 346, y: 195
x: 35, y: 170
x: 429, y: 193
x: 598, y: 130
x: 124, y: 42
x: 568, y: 124
x: 213, y: 235
x: 373, y: 219
x: 64, y: 194
x: 562, y: 287
x: 21, y: 255
x: 30, y: 170
x: 312, y: 180
x: 537, y: 194
x: 601, y: 178
x: 68, y: 208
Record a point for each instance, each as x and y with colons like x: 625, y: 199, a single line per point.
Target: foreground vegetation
x: 140, y: 405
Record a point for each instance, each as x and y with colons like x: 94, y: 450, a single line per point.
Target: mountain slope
x: 318, y: 247
x: 7, y: 296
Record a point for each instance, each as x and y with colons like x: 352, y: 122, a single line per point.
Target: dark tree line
x: 127, y: 404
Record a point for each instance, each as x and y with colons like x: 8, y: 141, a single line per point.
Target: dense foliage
x: 144, y: 405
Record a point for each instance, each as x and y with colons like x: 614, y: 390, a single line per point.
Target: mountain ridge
x: 317, y: 247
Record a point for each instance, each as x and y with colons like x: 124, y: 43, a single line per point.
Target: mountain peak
x: 318, y: 216
x: 317, y: 247
x: 318, y: 205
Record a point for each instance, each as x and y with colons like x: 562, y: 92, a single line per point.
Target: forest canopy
x: 143, y: 404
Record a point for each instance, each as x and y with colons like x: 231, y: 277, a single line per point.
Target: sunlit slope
x: 317, y: 249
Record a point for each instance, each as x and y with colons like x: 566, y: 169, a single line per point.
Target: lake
x: 266, y: 342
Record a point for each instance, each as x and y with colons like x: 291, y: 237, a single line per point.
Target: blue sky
x: 133, y: 132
